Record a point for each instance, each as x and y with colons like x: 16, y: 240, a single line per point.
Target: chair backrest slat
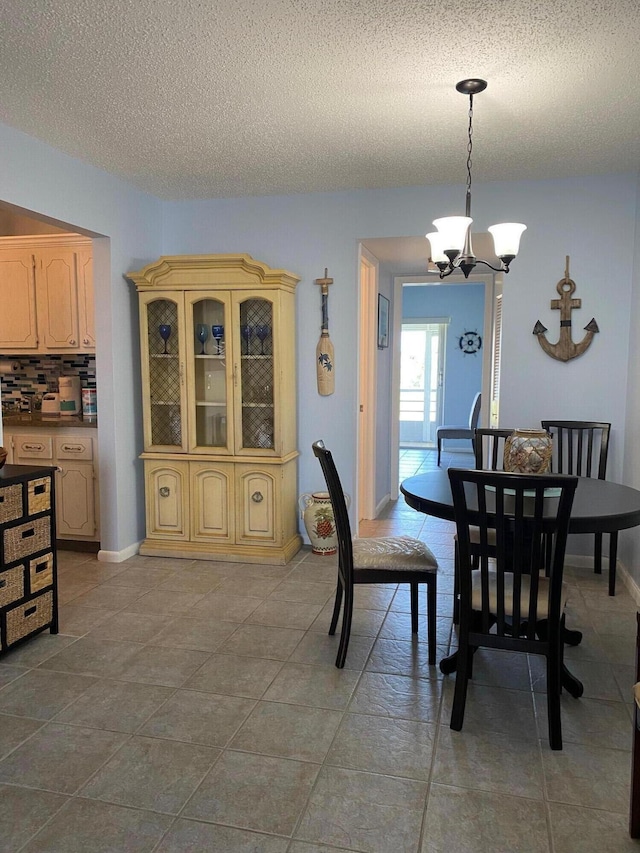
x: 488, y: 446
x: 522, y: 510
x: 579, y: 447
x: 340, y: 512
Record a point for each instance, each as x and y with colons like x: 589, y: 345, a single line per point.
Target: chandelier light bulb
x: 452, y: 231
x: 437, y: 248
x: 506, y: 238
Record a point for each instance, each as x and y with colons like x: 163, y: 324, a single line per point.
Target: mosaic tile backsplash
x: 24, y: 378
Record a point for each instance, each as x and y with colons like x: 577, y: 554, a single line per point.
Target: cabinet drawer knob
x: 35, y: 448
x: 72, y: 342
x: 86, y: 342
x: 164, y: 491
x: 257, y: 497
x: 73, y: 448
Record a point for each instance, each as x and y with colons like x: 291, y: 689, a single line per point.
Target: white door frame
x: 367, y: 385
x: 489, y: 281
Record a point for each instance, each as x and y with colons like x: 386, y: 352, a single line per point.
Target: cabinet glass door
x: 162, y: 332
x: 257, y: 374
x: 211, y: 356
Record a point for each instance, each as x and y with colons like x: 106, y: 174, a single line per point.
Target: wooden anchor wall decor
x: 565, y: 349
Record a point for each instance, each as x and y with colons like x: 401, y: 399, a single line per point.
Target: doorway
x: 422, y: 348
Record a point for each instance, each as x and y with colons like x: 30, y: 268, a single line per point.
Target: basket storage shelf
x: 28, y: 569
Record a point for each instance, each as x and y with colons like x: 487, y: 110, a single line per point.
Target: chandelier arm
x: 503, y: 268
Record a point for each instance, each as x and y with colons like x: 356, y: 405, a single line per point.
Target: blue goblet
x: 202, y: 333
x: 262, y: 333
x: 246, y: 332
x: 165, y: 332
x: 218, y: 334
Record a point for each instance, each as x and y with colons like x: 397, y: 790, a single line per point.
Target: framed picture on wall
x: 383, y: 321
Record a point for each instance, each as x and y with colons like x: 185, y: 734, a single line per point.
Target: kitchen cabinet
x: 219, y: 410
x: 73, y: 452
x: 28, y: 570
x: 46, y: 284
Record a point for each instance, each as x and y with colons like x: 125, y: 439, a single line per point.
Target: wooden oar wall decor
x: 565, y: 348
x: 324, y: 350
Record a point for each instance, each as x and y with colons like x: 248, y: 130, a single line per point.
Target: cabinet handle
x: 86, y: 342
x: 181, y: 373
x: 73, y: 448
x: 26, y: 534
x: 30, y: 611
x: 3, y: 583
x: 235, y: 374
x: 164, y: 491
x: 257, y: 497
x: 72, y: 342
x: 37, y: 448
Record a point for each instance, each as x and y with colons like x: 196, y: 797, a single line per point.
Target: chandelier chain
x: 470, y: 144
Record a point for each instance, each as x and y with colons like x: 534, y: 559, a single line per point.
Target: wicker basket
x: 29, y: 617
x: 41, y: 572
x: 10, y: 503
x: 39, y: 495
x: 25, y: 539
x: 11, y: 585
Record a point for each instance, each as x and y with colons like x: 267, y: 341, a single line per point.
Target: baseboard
x: 622, y: 573
x: 382, y: 504
x: 118, y: 556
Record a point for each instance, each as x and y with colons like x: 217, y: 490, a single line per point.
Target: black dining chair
x: 581, y: 448
x: 488, y: 449
x: 385, y: 559
x: 509, y: 602
x: 461, y: 431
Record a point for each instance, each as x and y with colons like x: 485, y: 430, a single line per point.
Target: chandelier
x: 451, y: 244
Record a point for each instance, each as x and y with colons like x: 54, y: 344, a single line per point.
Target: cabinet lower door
x: 75, y: 499
x: 256, y: 504
x: 167, y: 495
x: 212, y: 494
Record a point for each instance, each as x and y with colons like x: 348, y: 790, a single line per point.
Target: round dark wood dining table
x: 599, y: 506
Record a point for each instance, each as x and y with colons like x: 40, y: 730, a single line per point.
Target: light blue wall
x: 464, y: 305
x: 307, y: 233
x: 591, y: 219
x: 38, y: 178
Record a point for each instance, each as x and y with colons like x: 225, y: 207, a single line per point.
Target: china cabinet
x: 219, y: 408
x: 46, y: 289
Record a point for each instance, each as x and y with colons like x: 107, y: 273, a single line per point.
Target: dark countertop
x: 37, y: 419
x: 10, y: 474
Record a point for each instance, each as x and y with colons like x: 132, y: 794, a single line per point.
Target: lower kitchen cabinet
x: 74, y: 453
x: 28, y: 568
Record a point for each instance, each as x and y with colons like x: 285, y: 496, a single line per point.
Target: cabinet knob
x: 257, y: 497
x: 164, y: 491
x: 72, y: 342
x: 86, y: 342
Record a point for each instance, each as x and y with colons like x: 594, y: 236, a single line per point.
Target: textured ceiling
x: 198, y: 98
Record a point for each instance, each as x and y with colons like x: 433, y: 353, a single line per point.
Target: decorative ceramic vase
x: 528, y: 451
x: 317, y: 512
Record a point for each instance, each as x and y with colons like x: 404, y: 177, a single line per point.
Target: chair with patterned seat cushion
x: 385, y: 559
x: 443, y: 432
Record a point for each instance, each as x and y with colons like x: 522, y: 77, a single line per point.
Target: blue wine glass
x: 262, y: 333
x: 246, y: 332
x: 218, y: 334
x: 165, y: 332
x: 202, y: 333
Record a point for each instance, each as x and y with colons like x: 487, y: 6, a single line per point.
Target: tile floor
x: 194, y: 706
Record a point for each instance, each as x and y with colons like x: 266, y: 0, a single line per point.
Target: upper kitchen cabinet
x: 46, y: 288
x: 219, y: 407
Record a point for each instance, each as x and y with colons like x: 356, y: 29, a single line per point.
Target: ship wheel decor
x: 470, y: 342
x: 565, y: 348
